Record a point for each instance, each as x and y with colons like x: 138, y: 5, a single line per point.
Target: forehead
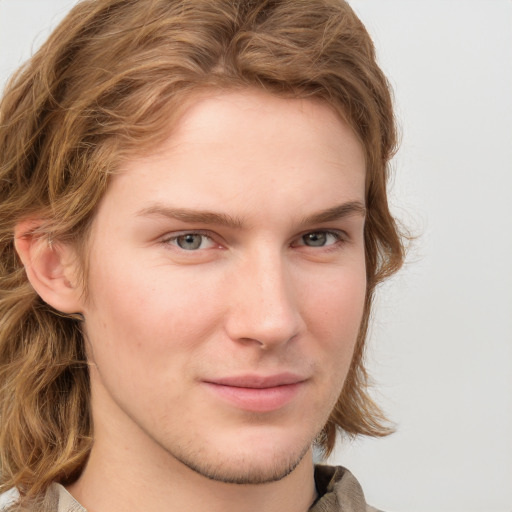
x: 252, y: 121
x: 271, y: 150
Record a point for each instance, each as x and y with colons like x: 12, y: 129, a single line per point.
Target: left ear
x: 51, y: 267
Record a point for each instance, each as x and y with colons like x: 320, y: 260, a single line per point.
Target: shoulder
x: 56, y: 499
x: 339, y: 490
x: 8, y: 498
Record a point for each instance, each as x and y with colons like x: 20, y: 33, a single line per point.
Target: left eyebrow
x: 336, y: 213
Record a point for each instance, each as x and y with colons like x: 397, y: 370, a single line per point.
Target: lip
x: 257, y: 393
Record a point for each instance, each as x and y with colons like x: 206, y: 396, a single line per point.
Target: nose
x: 264, y: 307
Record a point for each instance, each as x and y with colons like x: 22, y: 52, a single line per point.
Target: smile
x: 256, y: 393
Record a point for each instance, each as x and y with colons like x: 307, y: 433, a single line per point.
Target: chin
x: 253, y: 464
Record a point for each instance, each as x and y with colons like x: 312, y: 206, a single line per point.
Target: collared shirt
x: 337, y: 488
x: 338, y: 491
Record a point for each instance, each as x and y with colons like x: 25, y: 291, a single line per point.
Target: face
x: 227, y: 282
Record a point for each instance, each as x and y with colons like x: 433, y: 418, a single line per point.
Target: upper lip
x: 258, y: 381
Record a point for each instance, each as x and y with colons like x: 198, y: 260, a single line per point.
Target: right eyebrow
x: 192, y: 216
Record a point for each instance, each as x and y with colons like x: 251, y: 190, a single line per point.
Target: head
x: 110, y: 87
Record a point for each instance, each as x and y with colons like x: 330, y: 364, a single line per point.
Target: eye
x: 319, y: 239
x: 190, y: 241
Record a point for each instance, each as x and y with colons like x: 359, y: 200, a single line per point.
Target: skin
x: 180, y: 300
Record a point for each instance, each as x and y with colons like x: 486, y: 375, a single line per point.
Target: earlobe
x: 51, y: 267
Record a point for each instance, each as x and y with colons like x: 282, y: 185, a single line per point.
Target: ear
x: 51, y: 267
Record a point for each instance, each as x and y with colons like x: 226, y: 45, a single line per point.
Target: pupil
x: 315, y: 239
x: 189, y: 242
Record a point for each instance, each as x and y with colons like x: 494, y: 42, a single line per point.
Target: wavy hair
x: 103, y: 88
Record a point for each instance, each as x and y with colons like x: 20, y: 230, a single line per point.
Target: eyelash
x: 339, y: 237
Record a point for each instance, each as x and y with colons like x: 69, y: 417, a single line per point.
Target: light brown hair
x: 102, y: 88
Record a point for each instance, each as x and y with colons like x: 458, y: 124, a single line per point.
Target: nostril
x: 250, y: 327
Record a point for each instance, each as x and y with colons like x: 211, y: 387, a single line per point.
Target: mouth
x: 256, y: 393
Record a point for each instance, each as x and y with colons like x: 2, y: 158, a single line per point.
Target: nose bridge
x: 264, y: 307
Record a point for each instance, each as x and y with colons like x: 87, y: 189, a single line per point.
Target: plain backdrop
x: 440, y: 348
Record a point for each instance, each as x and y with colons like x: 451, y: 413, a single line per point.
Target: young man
x: 193, y: 222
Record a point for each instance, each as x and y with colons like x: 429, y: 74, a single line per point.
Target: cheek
x: 335, y: 314
x: 144, y: 336
x: 336, y: 304
x: 148, y: 313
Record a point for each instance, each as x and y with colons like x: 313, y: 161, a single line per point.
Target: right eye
x: 190, y: 241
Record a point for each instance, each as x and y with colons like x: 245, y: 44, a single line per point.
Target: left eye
x: 191, y: 241
x: 319, y: 238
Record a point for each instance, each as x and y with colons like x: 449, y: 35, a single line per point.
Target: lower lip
x: 257, y: 399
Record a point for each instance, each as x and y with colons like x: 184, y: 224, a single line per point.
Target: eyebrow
x: 193, y: 216
x: 336, y: 213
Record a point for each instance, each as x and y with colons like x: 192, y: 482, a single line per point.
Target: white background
x: 441, y: 344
